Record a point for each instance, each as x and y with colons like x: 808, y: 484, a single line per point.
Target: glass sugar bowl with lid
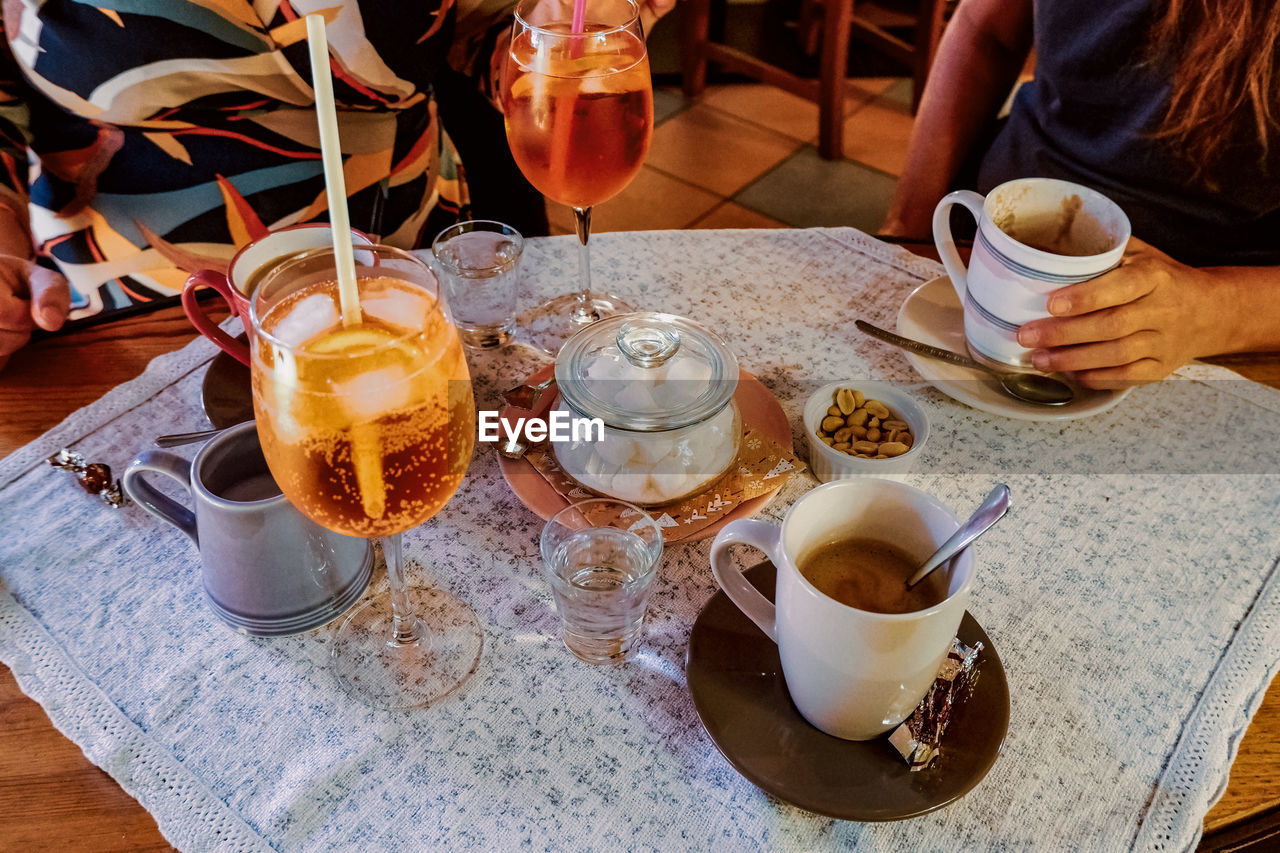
x: 663, y: 387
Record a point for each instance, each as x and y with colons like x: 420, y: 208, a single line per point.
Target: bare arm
x: 984, y: 47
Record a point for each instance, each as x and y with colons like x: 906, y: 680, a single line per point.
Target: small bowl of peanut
x: 863, y: 427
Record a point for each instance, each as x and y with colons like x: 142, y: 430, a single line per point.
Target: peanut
x: 864, y: 428
x: 875, y: 407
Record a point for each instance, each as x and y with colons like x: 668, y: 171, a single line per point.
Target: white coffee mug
x: 852, y: 673
x: 1008, y: 282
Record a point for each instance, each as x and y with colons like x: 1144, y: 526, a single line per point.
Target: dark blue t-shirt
x: 1089, y: 117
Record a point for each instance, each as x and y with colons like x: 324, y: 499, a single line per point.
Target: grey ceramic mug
x: 267, y: 569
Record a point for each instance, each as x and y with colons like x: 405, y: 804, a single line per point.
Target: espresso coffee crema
x: 871, y: 575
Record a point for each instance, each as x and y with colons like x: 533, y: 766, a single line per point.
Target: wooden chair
x: 834, y: 21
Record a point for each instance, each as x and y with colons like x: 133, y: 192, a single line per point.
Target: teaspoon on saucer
x: 181, y: 438
x: 1028, y: 387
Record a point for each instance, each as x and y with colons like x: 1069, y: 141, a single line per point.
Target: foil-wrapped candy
x: 919, y: 738
x: 94, y: 477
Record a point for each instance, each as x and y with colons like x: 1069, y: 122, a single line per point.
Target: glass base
x: 486, y: 336
x: 603, y: 650
x: 382, y: 672
x: 553, y: 322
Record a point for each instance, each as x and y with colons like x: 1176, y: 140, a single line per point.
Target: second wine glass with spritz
x: 578, y: 100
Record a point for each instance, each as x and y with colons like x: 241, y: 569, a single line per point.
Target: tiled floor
x: 745, y: 156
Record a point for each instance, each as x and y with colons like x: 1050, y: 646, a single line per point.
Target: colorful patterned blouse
x: 166, y: 133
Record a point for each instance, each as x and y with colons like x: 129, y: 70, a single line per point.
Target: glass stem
x: 584, y: 311
x: 403, y: 622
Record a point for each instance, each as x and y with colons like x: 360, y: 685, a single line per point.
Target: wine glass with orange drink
x: 578, y: 104
x: 368, y: 427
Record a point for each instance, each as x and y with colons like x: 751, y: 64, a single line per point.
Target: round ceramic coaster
x: 759, y: 407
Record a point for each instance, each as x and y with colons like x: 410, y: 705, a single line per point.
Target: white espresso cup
x: 1035, y: 235
x: 852, y: 673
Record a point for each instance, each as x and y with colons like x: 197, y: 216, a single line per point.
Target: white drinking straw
x: 334, y: 182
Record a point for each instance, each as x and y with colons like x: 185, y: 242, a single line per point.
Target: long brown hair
x: 1226, y: 84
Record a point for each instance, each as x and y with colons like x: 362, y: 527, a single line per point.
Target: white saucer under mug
x: 932, y: 314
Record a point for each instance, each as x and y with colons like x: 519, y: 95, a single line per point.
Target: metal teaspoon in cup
x: 1028, y: 387
x: 984, y: 517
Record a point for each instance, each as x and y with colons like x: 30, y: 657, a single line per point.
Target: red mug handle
x: 195, y: 312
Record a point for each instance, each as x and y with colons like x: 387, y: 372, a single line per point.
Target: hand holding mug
x: 1137, y: 323
x: 1035, y: 235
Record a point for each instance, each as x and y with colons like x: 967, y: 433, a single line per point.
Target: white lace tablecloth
x: 1133, y: 599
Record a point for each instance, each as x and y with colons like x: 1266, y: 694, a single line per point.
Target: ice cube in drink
x: 309, y: 317
x: 395, y: 308
x: 579, y: 127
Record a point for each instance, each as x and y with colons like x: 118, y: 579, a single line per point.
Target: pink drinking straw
x: 579, y: 24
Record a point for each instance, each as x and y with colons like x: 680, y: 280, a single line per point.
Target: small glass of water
x: 478, y: 263
x: 601, y: 557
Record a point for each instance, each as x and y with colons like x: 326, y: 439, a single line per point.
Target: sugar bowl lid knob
x: 647, y: 344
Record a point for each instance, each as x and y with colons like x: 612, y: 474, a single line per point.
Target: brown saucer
x: 735, y: 676
x: 226, y: 394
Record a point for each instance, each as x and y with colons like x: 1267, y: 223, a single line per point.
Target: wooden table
x: 52, y: 797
